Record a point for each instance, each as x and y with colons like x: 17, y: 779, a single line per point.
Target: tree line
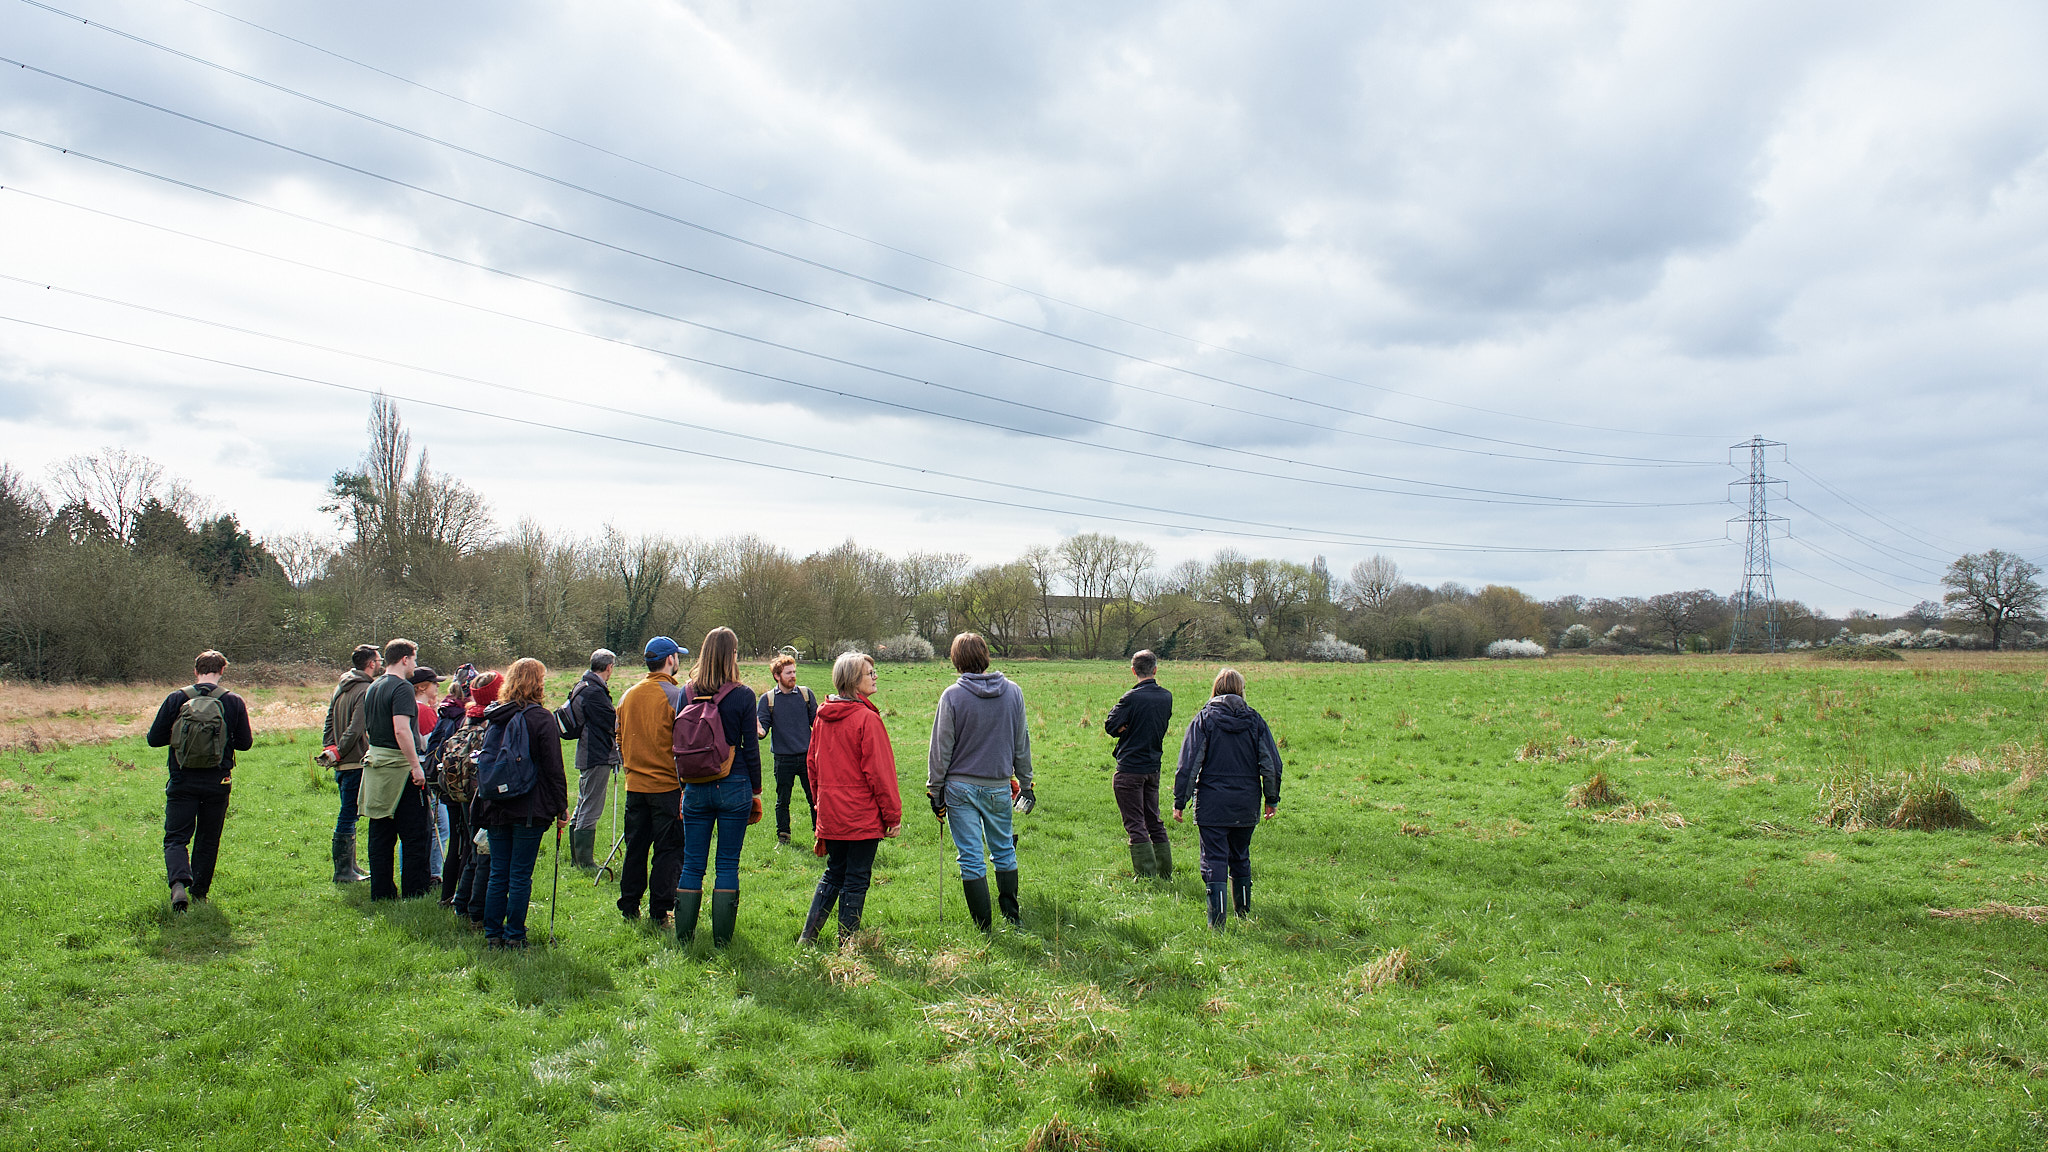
x: 114, y: 571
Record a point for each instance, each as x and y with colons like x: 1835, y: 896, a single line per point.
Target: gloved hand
x: 328, y: 757
x: 1025, y: 800
x: 754, y: 817
x: 938, y: 804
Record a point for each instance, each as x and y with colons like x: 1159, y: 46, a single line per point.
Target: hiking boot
x: 1162, y: 855
x: 1143, y: 862
x: 1006, y: 897
x: 688, y: 902
x: 977, y: 902
x: 181, y: 898
x: 1218, y: 916
x: 725, y: 914
x: 821, y: 907
x: 1241, y: 896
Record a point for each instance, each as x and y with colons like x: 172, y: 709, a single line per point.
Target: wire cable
x: 1909, y: 558
x: 1898, y: 526
x: 1880, y: 601
x: 800, y: 218
x: 785, y: 469
x: 789, y: 297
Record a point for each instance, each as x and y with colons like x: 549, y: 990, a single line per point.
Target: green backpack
x: 200, y: 734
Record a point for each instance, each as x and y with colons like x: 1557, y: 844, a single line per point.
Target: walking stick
x: 555, y: 891
x: 615, y: 798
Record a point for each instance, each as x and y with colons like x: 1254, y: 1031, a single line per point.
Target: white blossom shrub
x: 1514, y: 650
x: 1622, y: 634
x: 905, y: 649
x: 1330, y: 650
x: 1576, y: 636
x: 1797, y: 645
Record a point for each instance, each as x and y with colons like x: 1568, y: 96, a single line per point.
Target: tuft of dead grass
x: 1854, y: 797
x: 1408, y: 829
x: 1057, y: 1135
x: 2027, y: 762
x: 1593, y: 793
x: 2034, y: 834
x: 1059, y: 1025
x: 1370, y: 977
x: 2031, y: 913
x: 1650, y: 811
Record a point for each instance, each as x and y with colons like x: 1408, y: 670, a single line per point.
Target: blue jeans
x: 513, y: 850
x: 725, y: 805
x: 349, y: 782
x: 437, y: 846
x: 979, y: 814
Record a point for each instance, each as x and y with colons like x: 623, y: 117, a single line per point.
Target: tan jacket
x: 647, y: 735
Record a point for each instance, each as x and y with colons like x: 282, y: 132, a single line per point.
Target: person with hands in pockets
x: 1228, y: 761
x: 979, y: 772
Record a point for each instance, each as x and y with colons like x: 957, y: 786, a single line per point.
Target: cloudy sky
x: 1491, y: 288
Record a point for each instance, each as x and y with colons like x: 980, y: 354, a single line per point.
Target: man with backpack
x: 590, y: 719
x: 203, y: 726
x: 394, y: 780
x: 343, y: 746
x: 789, y: 732
x: 654, y: 793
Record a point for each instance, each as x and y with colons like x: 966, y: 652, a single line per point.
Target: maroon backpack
x: 698, y: 739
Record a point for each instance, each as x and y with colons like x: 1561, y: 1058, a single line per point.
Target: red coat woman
x: 853, y: 780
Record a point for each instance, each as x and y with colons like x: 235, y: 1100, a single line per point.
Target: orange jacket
x: 647, y: 724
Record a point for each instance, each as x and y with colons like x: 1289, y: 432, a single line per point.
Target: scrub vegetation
x: 1802, y: 908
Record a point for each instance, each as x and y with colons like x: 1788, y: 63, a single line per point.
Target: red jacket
x: 853, y: 772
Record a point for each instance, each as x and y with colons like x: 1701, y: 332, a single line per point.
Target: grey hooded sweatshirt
x: 979, y: 734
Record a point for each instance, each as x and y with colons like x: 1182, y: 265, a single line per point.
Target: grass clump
x: 1057, y: 1135
x: 1594, y: 793
x: 1855, y: 797
x: 1866, y: 653
x: 1388, y: 967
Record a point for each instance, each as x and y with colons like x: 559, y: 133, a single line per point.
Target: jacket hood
x: 356, y: 676
x: 502, y: 711
x: 837, y: 711
x: 1229, y: 713
x: 987, y: 685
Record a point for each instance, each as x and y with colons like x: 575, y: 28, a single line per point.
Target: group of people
x: 462, y: 790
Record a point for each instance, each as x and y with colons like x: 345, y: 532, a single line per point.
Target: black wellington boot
x: 849, y: 916
x: 344, y: 871
x: 977, y: 902
x: 1217, y: 914
x: 821, y: 907
x: 1006, y: 897
x: 1241, y: 895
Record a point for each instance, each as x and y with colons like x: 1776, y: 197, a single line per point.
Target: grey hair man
x: 596, y: 721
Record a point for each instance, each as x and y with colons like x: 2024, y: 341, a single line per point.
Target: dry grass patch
x: 1854, y: 798
x: 1059, y: 1025
x: 1408, y: 829
x: 2031, y: 913
x: 1650, y: 811
x: 1057, y: 1135
x: 1594, y: 793
x: 1368, y: 978
x: 2027, y: 763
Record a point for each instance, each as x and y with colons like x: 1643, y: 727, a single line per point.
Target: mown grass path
x: 1442, y: 953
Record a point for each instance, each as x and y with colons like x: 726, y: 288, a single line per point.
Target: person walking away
x: 394, y: 781
x: 654, y: 794
x: 1227, y: 760
x: 717, y: 756
x: 341, y: 739
x: 202, y: 726
x: 516, y: 825
x: 979, y: 769
x: 597, y: 753
x: 852, y: 771
x: 1139, y: 723
x: 426, y: 719
x: 459, y: 782
x: 789, y: 739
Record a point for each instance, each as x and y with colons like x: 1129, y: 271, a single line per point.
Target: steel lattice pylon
x: 1756, y: 606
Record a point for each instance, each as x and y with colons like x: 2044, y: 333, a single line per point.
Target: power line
x: 655, y: 168
x: 1519, y: 497
x: 1895, y: 525
x: 1880, y: 601
x: 785, y: 469
x: 1887, y: 552
x: 749, y: 286
x: 1871, y: 574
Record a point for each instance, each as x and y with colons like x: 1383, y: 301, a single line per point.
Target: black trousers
x: 850, y: 865
x: 459, y: 849
x: 654, y: 828
x: 194, y: 818
x: 1137, y: 801
x: 1227, y: 854
x: 409, y: 830
x: 791, y: 768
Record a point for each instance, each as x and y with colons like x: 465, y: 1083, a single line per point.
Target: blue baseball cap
x: 661, y: 648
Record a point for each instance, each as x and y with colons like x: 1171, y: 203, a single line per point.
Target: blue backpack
x: 505, y: 769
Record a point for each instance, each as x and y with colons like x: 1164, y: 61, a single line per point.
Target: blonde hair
x: 526, y: 681
x: 847, y: 673
x: 718, y: 662
x: 1229, y: 682
x: 776, y: 665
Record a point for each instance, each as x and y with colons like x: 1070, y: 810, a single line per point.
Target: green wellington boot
x: 1162, y: 855
x: 725, y: 913
x: 1143, y: 861
x: 688, y: 902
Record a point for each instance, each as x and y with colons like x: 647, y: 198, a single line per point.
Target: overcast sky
x: 1491, y: 288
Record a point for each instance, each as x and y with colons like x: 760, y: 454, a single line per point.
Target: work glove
x: 1025, y: 800
x: 328, y: 757
x: 938, y: 804
x: 754, y: 817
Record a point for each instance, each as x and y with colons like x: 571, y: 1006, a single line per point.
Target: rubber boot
x: 1006, y: 897
x: 1241, y: 895
x: 688, y: 902
x: 977, y: 902
x: 344, y: 870
x: 354, y: 869
x: 582, y: 843
x: 1162, y: 855
x: 849, y: 916
x: 181, y: 898
x: 1143, y: 863
x: 821, y: 907
x: 725, y: 913
x: 1217, y: 916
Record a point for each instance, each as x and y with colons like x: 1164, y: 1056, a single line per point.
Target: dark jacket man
x: 1139, y: 723
x: 196, y: 800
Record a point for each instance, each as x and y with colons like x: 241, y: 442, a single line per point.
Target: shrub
x: 1514, y: 650
x: 1330, y: 650
x: 1576, y: 636
x: 1854, y: 651
x: 905, y: 649
x: 1246, y: 651
x: 1623, y: 635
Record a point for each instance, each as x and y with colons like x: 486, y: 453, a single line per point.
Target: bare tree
x: 1043, y: 562
x: 1372, y: 584
x: 1995, y: 589
x: 1675, y: 616
x: 922, y: 580
x: 999, y: 601
x: 696, y: 566
x: 1102, y: 571
x: 303, y: 556
x: 765, y: 597
x: 114, y: 482
x: 413, y: 530
x: 641, y: 565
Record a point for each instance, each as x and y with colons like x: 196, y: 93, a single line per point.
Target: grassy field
x: 1443, y: 951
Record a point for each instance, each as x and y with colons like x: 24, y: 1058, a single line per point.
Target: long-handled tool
x: 616, y: 798
x: 555, y: 892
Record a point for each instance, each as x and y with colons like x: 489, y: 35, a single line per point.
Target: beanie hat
x: 483, y: 693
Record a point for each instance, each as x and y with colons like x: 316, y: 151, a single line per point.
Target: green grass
x: 1701, y: 964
